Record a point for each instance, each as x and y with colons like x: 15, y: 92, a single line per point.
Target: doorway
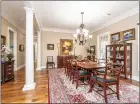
x: 12, y: 44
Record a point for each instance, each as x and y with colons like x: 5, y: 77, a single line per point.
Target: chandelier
x: 82, y: 34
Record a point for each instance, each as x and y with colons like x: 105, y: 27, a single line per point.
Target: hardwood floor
x: 12, y: 90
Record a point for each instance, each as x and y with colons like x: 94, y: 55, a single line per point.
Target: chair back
x: 74, y: 65
x: 113, y: 71
x: 49, y: 58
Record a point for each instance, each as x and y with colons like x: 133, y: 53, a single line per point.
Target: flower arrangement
x: 6, y: 53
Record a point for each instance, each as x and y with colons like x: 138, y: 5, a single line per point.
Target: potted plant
x: 6, y: 54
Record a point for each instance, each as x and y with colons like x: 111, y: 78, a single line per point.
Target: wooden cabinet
x: 121, y: 53
x: 7, y: 71
x: 61, y: 60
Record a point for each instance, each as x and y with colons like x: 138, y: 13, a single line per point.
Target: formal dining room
x: 70, y: 52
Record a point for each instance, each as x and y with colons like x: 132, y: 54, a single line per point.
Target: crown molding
x: 118, y: 18
x: 58, y: 30
x: 12, y: 22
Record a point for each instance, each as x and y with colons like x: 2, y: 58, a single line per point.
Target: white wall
x: 52, y: 38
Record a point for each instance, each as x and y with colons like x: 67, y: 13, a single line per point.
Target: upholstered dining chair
x: 79, y: 73
x: 107, y: 80
x: 50, y: 62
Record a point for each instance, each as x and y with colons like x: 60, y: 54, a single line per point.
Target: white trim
x: 138, y: 44
x: 29, y: 87
x: 12, y: 22
x: 136, y: 78
x: 21, y: 66
x: 117, y: 19
x: 58, y: 30
x: 44, y: 67
x: 37, y: 69
x: 15, y: 45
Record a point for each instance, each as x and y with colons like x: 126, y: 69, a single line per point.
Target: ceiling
x: 66, y: 14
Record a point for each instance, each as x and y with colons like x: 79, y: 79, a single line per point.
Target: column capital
x: 30, y: 10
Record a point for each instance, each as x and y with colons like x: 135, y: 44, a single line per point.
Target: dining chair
x: 78, y: 73
x: 50, y: 62
x: 107, y: 80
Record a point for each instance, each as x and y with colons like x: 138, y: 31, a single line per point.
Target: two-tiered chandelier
x: 82, y: 35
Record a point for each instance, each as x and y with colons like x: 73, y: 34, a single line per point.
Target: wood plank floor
x: 12, y: 90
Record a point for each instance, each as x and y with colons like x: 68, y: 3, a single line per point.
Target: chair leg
x: 54, y: 65
x: 47, y: 66
x: 72, y: 78
x: 77, y: 81
x: 105, y: 95
x: 117, y: 88
x: 91, y: 85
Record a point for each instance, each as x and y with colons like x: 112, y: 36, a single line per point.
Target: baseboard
x: 44, y: 67
x: 21, y: 66
x: 37, y: 69
x: 136, y: 78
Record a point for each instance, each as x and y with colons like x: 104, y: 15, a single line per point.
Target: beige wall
x: 20, y: 40
x: 52, y: 38
x: 125, y: 24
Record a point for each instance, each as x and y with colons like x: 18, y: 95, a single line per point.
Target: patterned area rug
x: 63, y: 91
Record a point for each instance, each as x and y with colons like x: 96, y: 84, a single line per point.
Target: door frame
x: 15, y: 44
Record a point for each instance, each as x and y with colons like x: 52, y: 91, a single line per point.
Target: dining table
x: 90, y: 66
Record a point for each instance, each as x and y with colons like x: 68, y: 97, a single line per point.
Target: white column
x: 29, y: 67
x: 38, y: 50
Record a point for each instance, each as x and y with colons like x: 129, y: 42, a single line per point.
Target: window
x: 102, y: 41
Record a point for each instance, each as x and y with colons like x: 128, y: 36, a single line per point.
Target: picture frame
x: 93, y: 50
x: 3, y: 40
x: 66, y: 46
x: 50, y: 46
x: 129, y: 34
x: 115, y: 37
x: 21, y: 48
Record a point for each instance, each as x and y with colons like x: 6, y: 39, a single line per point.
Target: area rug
x: 62, y: 90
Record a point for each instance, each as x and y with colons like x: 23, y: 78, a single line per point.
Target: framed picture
x: 66, y: 46
x: 3, y: 40
x: 115, y: 37
x: 50, y: 46
x: 92, y: 50
x: 129, y: 34
x: 21, y: 47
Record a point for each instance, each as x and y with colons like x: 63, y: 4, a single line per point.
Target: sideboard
x: 7, y: 71
x: 61, y: 60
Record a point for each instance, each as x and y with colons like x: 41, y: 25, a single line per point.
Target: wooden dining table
x: 91, y: 65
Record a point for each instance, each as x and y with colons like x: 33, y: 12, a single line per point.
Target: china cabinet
x: 121, y: 53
